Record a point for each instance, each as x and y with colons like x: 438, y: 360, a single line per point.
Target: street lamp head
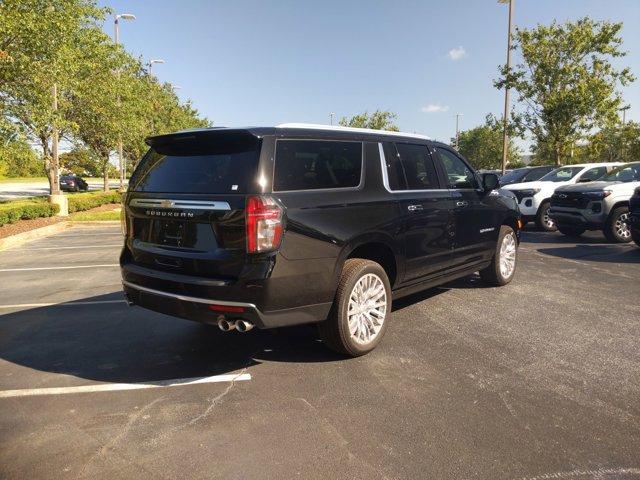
x: 125, y: 16
x: 504, y: 1
x: 156, y: 60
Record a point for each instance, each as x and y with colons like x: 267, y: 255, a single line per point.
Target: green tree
x: 40, y: 42
x: 565, y: 82
x: 378, y: 120
x: 482, y: 145
x: 614, y: 143
x: 81, y: 161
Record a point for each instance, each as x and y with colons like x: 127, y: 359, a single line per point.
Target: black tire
x: 543, y: 222
x: 493, y: 274
x: 615, y: 229
x: 571, y: 231
x: 334, y: 331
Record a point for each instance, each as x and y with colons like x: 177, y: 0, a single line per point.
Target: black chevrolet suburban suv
x: 278, y: 226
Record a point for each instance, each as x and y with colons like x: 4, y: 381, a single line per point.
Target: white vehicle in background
x: 534, y: 197
x: 601, y: 205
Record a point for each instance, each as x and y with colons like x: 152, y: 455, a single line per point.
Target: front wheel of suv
x: 571, y: 231
x: 543, y: 220
x: 616, y: 229
x: 358, y: 318
x: 503, y: 264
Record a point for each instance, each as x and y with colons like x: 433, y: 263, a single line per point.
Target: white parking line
x: 114, y: 387
x: 57, y: 268
x: 65, y: 248
x: 59, y: 304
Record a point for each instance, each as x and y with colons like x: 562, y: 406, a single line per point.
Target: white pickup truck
x: 534, y: 197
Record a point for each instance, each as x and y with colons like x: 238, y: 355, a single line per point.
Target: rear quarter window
x: 317, y: 164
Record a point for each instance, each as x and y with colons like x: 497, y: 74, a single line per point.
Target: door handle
x: 462, y: 203
x: 414, y: 208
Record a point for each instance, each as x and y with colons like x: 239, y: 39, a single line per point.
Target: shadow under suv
x: 294, y: 224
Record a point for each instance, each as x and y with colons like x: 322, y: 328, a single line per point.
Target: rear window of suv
x: 198, y: 166
x: 317, y: 164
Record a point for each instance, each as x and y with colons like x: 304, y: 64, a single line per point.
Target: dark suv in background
x: 278, y: 226
x: 73, y: 183
x: 525, y: 174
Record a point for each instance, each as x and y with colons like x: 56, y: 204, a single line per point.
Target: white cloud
x: 435, y: 108
x: 457, y: 53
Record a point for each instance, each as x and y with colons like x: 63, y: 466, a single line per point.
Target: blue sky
x: 249, y: 62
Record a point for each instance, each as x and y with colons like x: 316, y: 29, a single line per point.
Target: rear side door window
x: 593, y: 174
x: 410, y: 167
x: 317, y: 164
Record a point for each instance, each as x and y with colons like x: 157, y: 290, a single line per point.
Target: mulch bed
x: 25, y: 225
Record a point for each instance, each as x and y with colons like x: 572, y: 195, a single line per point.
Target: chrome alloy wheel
x: 546, y: 220
x: 508, y: 255
x: 367, y: 309
x: 621, y: 228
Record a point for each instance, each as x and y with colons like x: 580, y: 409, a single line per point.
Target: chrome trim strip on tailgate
x: 186, y: 298
x: 185, y: 204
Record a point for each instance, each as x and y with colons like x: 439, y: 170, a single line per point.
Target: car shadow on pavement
x: 556, y: 237
x: 111, y: 342
x: 612, y: 253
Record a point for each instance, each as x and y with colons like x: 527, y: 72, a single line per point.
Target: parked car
x: 525, y: 174
x: 534, y: 197
x: 633, y: 220
x: 73, y: 183
x: 294, y: 224
x: 601, y: 205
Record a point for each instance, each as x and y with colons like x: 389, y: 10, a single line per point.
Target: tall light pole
x: 624, y: 114
x: 152, y: 62
x: 505, y: 135
x: 458, y: 115
x: 116, y: 27
x: 331, y: 115
x: 624, y: 121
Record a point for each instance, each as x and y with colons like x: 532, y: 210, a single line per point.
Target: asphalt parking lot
x: 536, y: 380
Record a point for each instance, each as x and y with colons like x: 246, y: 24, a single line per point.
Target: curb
x: 24, y: 237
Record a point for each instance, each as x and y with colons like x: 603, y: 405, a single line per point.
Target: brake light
x: 226, y: 308
x: 264, y: 224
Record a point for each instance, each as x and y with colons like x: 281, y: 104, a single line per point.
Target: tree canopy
x: 566, y: 82
x: 378, y: 120
x: 482, y: 145
x: 103, y: 93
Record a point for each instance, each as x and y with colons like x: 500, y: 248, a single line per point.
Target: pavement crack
x: 216, y: 400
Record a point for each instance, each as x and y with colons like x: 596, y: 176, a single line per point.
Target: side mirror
x: 490, y: 181
x: 584, y: 180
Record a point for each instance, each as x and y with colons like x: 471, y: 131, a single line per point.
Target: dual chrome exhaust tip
x: 240, y: 325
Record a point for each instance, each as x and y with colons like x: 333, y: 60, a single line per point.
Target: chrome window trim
x: 186, y: 298
x: 338, y: 189
x: 184, y: 204
x: 385, y: 176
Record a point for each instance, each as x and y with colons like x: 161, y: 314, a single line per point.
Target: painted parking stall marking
x: 115, y: 387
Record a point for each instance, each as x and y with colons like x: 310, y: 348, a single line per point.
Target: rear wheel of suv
x: 543, y: 220
x: 571, y: 231
x: 358, y: 318
x: 616, y: 229
x: 503, y: 264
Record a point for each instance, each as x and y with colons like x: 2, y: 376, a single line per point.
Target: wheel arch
x: 379, y: 248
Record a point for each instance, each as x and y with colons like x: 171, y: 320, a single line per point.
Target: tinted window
x: 197, y: 167
x: 458, y: 173
x: 395, y: 172
x: 561, y: 174
x: 513, y: 176
x: 417, y: 165
x: 594, y: 173
x: 624, y: 173
x: 536, y: 174
x: 314, y: 164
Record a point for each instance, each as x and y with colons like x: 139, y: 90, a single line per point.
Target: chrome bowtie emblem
x: 166, y: 204
x: 562, y: 195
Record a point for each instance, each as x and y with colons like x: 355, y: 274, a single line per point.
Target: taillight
x: 264, y: 224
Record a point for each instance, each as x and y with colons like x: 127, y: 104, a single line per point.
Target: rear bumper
x: 198, y: 309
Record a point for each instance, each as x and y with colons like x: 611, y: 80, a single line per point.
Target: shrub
x: 26, y: 209
x: 86, y: 201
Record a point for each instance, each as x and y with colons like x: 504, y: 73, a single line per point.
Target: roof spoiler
x: 205, y: 134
